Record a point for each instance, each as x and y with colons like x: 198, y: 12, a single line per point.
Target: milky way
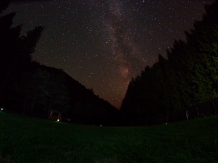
x: 104, y: 43
x: 123, y: 47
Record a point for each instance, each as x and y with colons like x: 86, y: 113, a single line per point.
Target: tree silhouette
x: 15, y: 50
x: 3, y: 5
x: 187, y: 77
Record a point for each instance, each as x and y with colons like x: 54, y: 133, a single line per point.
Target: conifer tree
x: 15, y: 50
x: 188, y: 77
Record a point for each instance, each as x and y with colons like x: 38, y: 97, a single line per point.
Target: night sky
x: 104, y: 43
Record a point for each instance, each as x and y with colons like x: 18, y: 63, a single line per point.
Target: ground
x: 27, y: 139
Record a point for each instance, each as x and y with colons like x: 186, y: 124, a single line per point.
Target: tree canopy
x: 187, y: 77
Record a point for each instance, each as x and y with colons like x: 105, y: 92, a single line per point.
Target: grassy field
x: 31, y: 140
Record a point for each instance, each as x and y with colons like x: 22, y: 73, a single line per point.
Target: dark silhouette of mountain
x: 85, y: 106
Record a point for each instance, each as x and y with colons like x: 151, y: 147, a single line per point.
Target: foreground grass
x: 32, y: 140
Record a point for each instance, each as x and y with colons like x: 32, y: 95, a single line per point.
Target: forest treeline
x: 187, y: 77
x: 30, y: 88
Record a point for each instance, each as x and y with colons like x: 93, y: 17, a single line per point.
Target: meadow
x: 26, y: 139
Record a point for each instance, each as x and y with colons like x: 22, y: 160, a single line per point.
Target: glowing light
x: 58, y: 120
x: 166, y: 123
x: 2, y: 109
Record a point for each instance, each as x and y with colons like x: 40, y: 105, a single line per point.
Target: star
x: 103, y: 44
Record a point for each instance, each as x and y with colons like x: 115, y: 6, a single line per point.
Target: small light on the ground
x: 58, y: 120
x: 166, y: 123
x: 2, y: 109
x: 100, y: 125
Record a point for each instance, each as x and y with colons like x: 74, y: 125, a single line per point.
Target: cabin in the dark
x: 55, y: 115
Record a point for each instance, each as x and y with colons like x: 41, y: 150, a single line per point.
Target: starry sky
x: 104, y: 43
